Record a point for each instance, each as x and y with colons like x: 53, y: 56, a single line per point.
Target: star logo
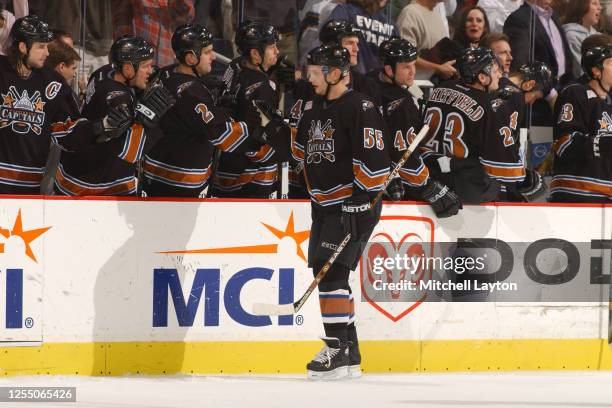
x: 26, y: 236
x: 298, y: 236
x: 39, y: 105
x: 603, y: 125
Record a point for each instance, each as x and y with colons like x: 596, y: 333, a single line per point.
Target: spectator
x: 472, y: 27
x: 369, y: 17
x: 500, y: 45
x: 498, y: 11
x: 446, y: 8
x: 7, y: 19
x: 549, y: 46
x: 581, y: 16
x: 153, y: 20
x: 422, y: 26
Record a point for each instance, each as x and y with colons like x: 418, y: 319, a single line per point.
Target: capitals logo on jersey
x: 320, y: 142
x: 22, y: 112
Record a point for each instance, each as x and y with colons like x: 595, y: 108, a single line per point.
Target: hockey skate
x: 354, y: 356
x: 331, y: 363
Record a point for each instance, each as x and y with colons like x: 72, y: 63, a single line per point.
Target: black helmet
x: 475, y: 61
x: 333, y: 56
x: 30, y: 29
x: 334, y: 31
x: 254, y: 34
x: 190, y: 38
x: 132, y: 50
x: 540, y: 73
x: 595, y: 57
x: 396, y: 50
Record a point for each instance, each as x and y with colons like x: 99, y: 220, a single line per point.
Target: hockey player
x: 471, y: 147
x: 109, y: 167
x: 253, y: 174
x: 583, y: 134
x: 36, y: 108
x: 341, y: 143
x: 531, y: 82
x: 404, y: 117
x: 179, y: 165
x: 345, y: 34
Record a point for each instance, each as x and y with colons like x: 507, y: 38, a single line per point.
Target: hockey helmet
x: 254, y: 34
x: 30, y: 29
x: 595, y: 57
x: 475, y: 61
x: 334, y: 31
x: 131, y: 50
x: 540, y: 73
x: 190, y: 38
x: 396, y: 50
x: 330, y: 56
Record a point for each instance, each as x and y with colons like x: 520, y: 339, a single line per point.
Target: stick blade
x: 267, y: 309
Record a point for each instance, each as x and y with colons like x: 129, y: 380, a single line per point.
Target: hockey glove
x: 442, y: 199
x: 266, y: 113
x: 395, y: 189
x: 114, y: 124
x: 153, y: 104
x: 532, y: 187
x: 357, y: 215
x: 284, y: 71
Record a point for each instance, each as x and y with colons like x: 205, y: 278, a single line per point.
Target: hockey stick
x: 275, y: 310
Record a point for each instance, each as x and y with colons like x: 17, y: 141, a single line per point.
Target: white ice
x: 481, y: 390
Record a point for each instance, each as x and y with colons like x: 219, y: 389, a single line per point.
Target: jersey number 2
x: 202, y: 109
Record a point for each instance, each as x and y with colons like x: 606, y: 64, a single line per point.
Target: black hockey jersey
x: 404, y: 119
x: 578, y: 176
x: 251, y: 174
x: 180, y: 163
x: 104, y: 168
x: 469, y: 123
x: 302, y: 93
x: 34, y: 111
x: 342, y: 146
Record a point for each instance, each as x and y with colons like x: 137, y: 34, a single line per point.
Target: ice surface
x: 482, y: 390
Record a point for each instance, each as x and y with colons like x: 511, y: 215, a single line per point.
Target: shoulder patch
x: 496, y: 103
x: 393, y: 105
x: 114, y: 94
x: 252, y: 88
x: 182, y: 87
x: 52, y: 90
x: 365, y: 104
x: 272, y: 85
x: 591, y: 94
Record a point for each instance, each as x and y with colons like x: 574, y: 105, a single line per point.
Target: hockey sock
x: 335, y: 302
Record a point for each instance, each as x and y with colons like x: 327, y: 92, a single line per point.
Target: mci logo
x: 206, y: 290
x: 215, y: 294
x: 13, y: 300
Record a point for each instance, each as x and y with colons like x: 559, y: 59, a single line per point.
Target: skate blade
x: 354, y: 371
x: 337, y: 374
